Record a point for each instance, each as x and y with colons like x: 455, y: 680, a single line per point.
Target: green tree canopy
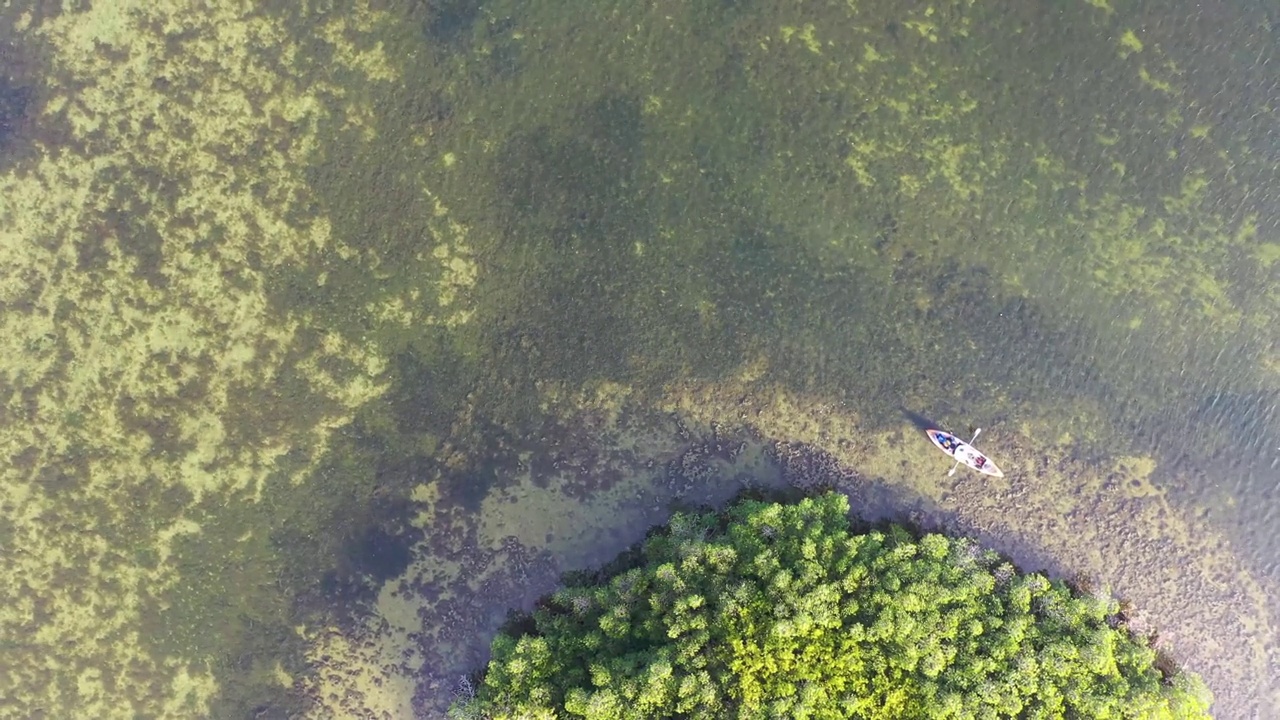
x: 779, y: 611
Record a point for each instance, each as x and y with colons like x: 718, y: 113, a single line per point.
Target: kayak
x: 963, y: 452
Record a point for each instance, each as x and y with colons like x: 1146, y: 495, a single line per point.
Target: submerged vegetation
x: 331, y: 334
x: 774, y: 610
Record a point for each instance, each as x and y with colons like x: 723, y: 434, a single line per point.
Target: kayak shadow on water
x: 923, y: 423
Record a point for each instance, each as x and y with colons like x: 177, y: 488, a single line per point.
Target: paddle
x: 976, y: 433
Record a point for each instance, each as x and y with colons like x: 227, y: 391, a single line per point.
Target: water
x: 333, y: 336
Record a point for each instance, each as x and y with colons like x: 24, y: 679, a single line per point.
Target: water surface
x: 332, y: 335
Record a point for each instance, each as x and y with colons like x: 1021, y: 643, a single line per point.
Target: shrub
x: 779, y: 611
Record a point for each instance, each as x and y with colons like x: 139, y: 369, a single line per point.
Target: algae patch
x: 139, y: 351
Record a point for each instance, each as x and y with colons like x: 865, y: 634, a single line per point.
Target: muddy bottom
x: 1102, y: 524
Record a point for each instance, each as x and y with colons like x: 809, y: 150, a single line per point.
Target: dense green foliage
x: 778, y: 611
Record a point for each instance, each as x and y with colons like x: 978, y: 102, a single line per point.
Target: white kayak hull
x: 963, y: 452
